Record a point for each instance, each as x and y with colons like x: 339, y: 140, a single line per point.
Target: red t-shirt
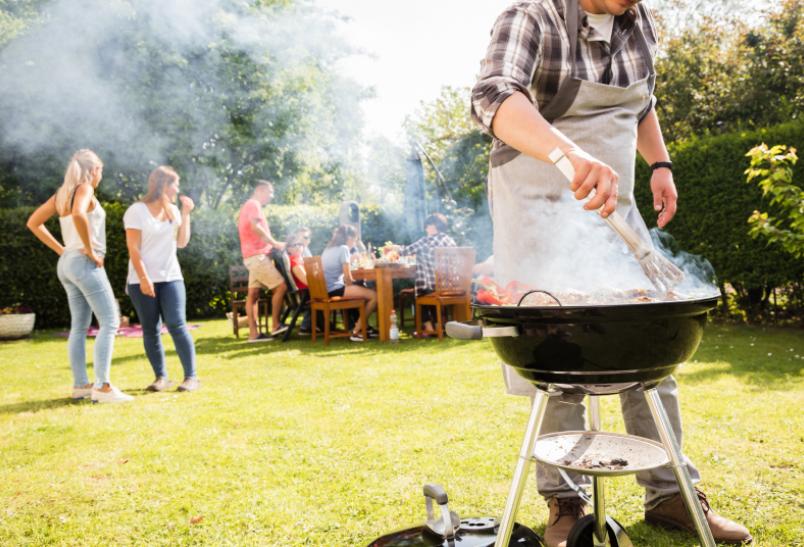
x: 250, y: 242
x: 297, y: 261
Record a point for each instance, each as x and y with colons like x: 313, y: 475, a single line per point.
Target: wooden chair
x: 321, y: 301
x: 453, y: 289
x: 238, y: 285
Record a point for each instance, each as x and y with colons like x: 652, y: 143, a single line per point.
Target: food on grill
x: 489, y: 292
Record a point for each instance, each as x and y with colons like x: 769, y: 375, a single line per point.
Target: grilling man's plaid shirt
x: 529, y: 52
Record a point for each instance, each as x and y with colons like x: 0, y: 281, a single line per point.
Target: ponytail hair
x: 159, y: 179
x: 341, y: 235
x: 77, y: 173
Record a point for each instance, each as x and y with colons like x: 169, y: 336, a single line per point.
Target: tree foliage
x: 226, y: 92
x: 723, y: 75
x: 772, y: 170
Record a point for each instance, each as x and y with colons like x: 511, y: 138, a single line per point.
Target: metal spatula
x: 662, y: 273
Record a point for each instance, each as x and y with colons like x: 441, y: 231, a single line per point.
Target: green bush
x: 28, y: 269
x: 714, y: 206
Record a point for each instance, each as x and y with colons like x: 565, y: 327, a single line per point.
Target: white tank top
x: 97, y: 230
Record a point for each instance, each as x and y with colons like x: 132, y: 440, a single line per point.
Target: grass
x: 294, y: 444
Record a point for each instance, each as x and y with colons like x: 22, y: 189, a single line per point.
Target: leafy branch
x: 772, y: 169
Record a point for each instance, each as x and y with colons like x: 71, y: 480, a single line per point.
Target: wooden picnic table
x: 383, y: 276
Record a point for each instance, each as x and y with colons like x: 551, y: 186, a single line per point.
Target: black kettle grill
x: 595, y: 350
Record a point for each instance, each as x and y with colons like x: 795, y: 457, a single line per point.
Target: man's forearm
x: 650, y: 142
x: 520, y: 125
x: 264, y: 234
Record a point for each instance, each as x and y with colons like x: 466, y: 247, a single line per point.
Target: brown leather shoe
x: 672, y: 513
x: 564, y: 513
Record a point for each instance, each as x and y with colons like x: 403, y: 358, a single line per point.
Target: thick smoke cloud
x: 140, y: 78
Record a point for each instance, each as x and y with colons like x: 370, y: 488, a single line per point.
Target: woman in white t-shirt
x: 154, y: 229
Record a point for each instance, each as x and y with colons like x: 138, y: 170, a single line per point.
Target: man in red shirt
x: 256, y: 243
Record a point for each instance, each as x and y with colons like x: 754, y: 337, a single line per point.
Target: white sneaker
x: 357, y: 337
x: 81, y: 393
x: 114, y: 395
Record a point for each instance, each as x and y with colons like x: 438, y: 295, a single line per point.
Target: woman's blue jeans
x: 88, y: 292
x: 168, y: 306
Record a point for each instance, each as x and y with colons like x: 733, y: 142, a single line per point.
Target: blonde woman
x: 155, y: 228
x: 80, y: 270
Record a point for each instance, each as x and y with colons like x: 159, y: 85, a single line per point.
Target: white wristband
x: 563, y: 163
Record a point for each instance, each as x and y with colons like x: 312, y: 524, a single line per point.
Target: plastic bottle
x: 393, y: 333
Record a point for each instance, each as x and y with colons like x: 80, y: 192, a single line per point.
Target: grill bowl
x: 599, y: 348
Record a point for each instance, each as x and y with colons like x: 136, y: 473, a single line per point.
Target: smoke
x: 567, y: 249
x: 148, y: 81
x: 700, y: 280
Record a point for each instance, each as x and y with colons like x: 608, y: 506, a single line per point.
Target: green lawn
x: 294, y: 444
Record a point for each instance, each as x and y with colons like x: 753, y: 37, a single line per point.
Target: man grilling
x: 574, y: 79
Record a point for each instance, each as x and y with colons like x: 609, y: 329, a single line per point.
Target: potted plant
x: 16, y: 322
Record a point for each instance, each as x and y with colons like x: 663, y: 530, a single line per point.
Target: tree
x: 226, y: 92
x: 681, y: 16
x: 460, y: 151
x: 722, y: 75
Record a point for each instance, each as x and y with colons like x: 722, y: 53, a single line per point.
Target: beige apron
x: 535, y: 214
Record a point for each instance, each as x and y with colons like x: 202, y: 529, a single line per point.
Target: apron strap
x: 565, y: 96
x: 571, y: 21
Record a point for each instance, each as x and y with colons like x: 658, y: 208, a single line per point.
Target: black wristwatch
x: 660, y: 164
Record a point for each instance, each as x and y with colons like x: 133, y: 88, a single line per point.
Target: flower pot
x: 16, y: 325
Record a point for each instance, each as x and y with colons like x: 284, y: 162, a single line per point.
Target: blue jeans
x: 88, y: 291
x: 168, y: 306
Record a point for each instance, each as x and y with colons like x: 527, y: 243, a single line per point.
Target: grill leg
x: 682, y: 477
x: 522, y: 465
x: 600, y: 535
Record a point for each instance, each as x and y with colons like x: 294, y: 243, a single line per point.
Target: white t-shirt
x: 603, y: 23
x: 157, y: 244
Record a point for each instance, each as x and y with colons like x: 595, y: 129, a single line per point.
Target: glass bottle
x: 393, y: 334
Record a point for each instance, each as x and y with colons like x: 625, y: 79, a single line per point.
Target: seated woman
x: 338, y: 275
x: 296, y: 246
x: 435, y: 225
x: 303, y: 236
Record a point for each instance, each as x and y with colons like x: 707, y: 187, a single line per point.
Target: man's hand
x: 187, y: 204
x: 592, y: 175
x: 665, y: 196
x: 279, y: 245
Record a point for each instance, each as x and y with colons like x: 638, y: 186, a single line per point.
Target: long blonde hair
x: 159, y: 179
x: 79, y: 171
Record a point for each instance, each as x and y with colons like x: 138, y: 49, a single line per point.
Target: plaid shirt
x: 529, y: 52
x: 425, y: 260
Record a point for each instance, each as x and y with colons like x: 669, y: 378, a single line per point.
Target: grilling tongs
x: 662, y: 273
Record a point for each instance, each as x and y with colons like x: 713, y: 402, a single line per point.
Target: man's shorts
x: 262, y: 273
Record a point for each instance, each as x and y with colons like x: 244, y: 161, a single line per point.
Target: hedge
x: 715, y: 203
x: 28, y: 268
